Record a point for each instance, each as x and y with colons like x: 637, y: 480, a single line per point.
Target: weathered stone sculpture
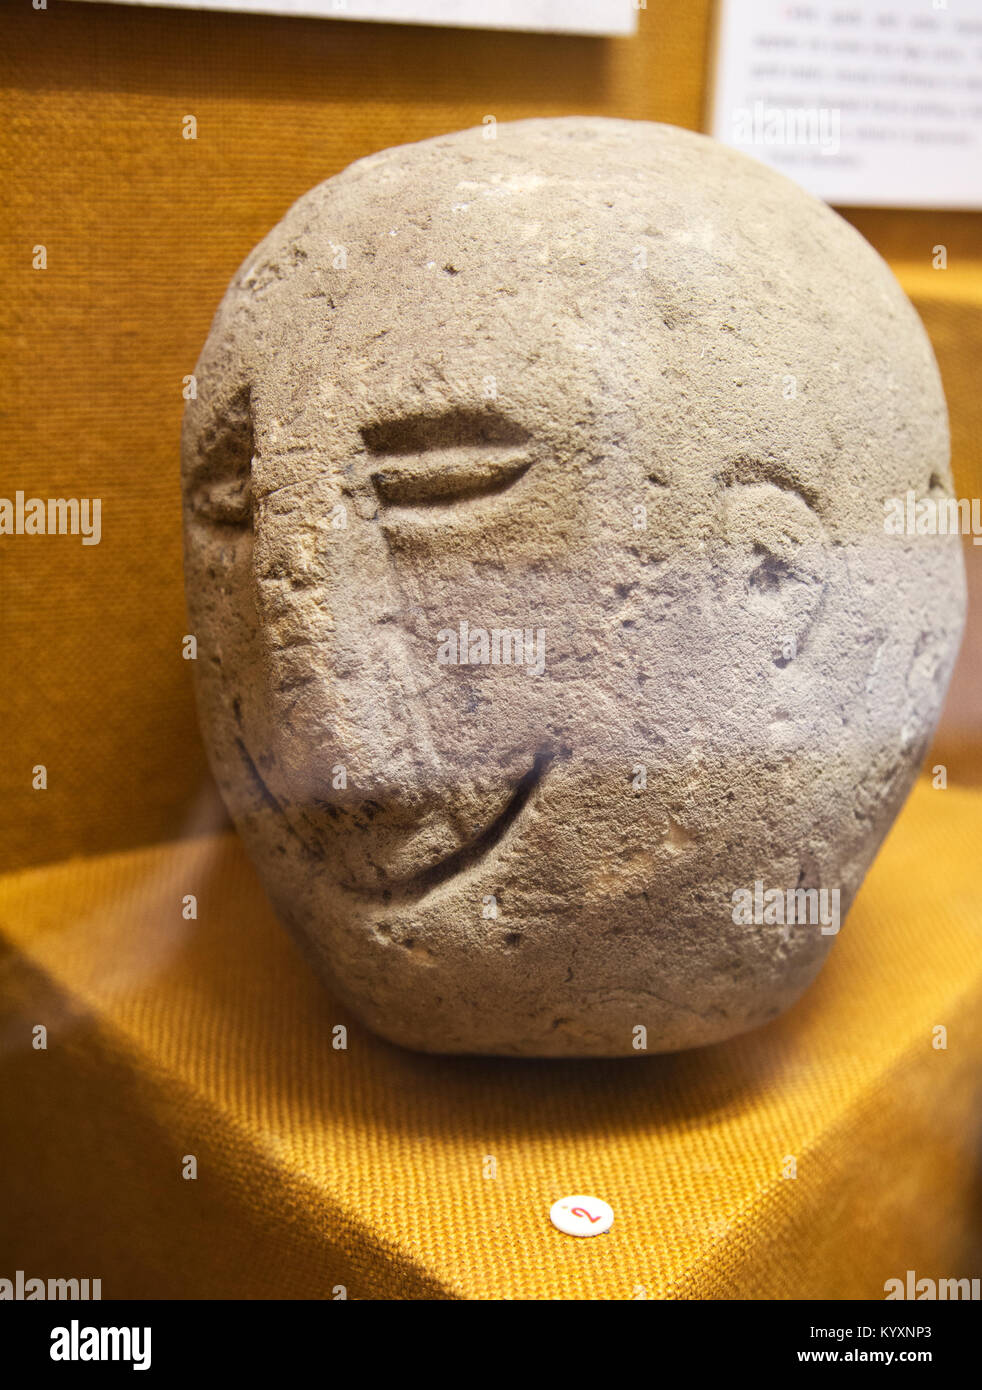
x: 553, y: 653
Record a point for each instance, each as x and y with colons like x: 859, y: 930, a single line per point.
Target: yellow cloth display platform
x: 166, y: 1037
x: 367, y: 1167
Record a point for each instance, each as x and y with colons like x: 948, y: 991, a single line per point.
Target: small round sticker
x: 581, y: 1216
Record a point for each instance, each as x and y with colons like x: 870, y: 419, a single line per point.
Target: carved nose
x: 346, y: 684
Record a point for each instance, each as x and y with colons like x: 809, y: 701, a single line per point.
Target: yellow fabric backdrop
x: 143, y: 231
x: 364, y: 1167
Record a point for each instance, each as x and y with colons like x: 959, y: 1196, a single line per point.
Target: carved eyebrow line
x: 221, y: 445
x: 419, y: 432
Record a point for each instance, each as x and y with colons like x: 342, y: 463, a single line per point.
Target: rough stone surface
x: 439, y: 392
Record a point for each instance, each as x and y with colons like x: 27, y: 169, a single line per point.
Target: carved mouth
x: 469, y: 855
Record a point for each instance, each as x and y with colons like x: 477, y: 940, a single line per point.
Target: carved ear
x: 777, y: 554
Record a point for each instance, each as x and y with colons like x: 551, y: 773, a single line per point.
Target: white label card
x: 549, y: 16
x: 873, y: 103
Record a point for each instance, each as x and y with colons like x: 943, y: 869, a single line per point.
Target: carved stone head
x: 552, y: 651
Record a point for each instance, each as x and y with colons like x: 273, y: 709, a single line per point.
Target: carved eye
x: 221, y: 470
x: 448, y: 475
x: 435, y: 461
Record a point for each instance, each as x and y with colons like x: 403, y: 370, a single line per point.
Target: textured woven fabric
x: 366, y: 1167
x: 143, y: 231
